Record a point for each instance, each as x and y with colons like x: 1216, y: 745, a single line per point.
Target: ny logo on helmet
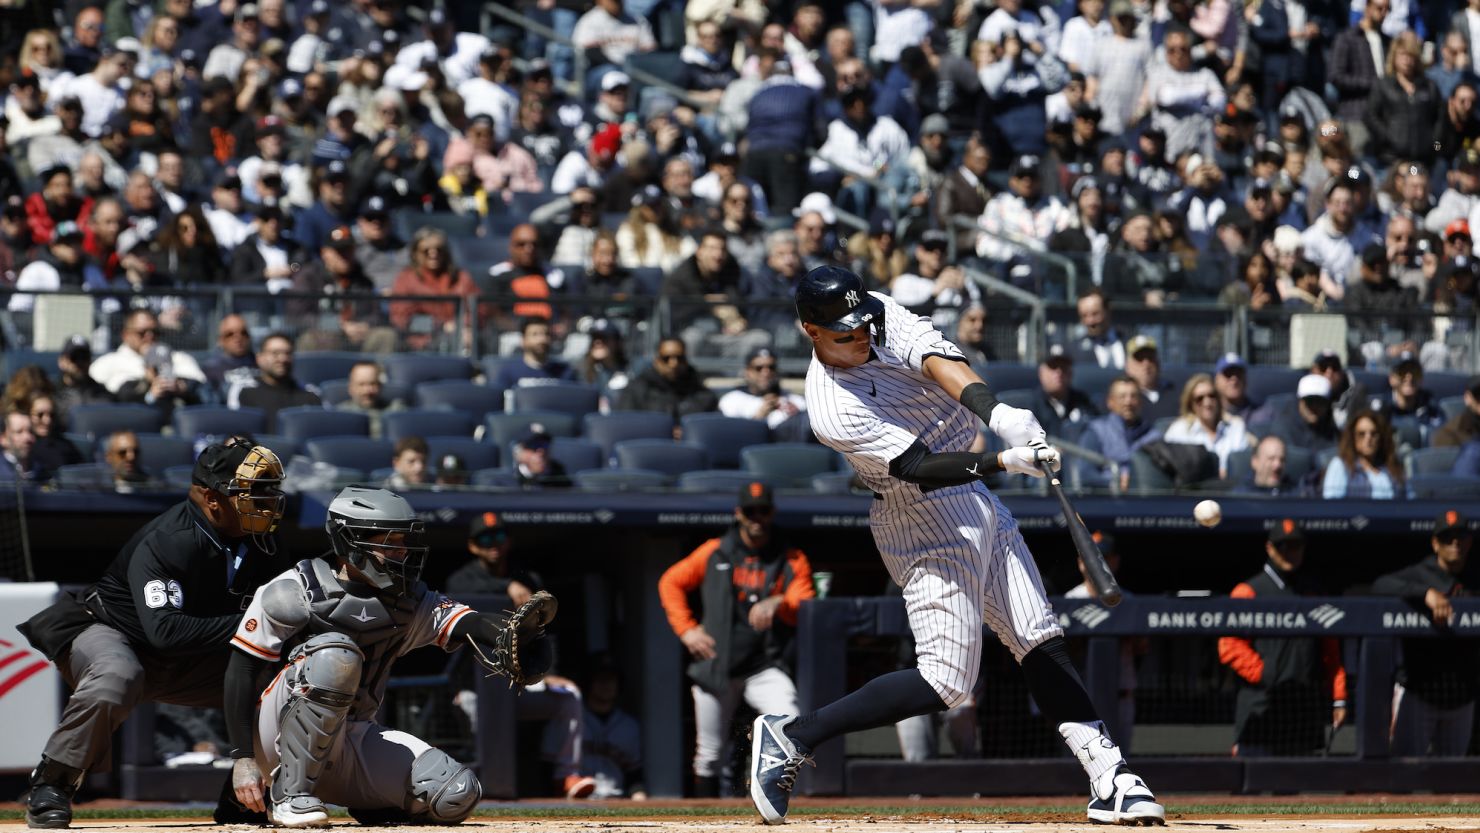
x: 851, y: 298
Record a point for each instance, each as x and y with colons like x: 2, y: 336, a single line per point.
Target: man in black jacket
x: 670, y: 385
x: 156, y: 626
x: 276, y: 388
x: 1062, y: 409
x: 1290, y: 689
x: 1434, y: 696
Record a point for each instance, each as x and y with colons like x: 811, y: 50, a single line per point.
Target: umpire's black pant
x: 108, y: 678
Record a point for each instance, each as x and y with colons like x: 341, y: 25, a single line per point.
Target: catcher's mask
x: 378, y: 533
x: 250, y: 477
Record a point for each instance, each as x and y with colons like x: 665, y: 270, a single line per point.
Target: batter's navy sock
x: 1058, y: 691
x: 881, y: 701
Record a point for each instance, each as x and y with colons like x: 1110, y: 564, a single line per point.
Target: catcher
x: 340, y: 625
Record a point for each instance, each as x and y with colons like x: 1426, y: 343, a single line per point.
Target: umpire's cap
x: 834, y: 298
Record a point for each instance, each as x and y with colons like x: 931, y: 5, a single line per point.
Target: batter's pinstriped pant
x: 959, y: 556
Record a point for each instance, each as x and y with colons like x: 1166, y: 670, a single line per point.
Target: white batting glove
x: 1016, y: 426
x: 1047, y: 454
x: 1026, y: 459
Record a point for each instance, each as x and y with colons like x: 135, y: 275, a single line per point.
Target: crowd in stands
x: 391, y: 176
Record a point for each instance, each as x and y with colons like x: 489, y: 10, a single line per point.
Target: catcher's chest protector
x: 379, y: 626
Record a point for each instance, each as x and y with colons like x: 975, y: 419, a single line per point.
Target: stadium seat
x: 1444, y: 384
x: 502, y: 429
x: 19, y: 357
x: 315, y: 367
x: 360, y: 453
x: 1408, y: 432
x: 495, y: 478
x: 308, y: 422
x: 478, y: 254
x: 671, y: 458
x: 158, y: 452
x: 619, y: 480
x: 475, y: 455
x: 723, y: 436
x: 98, y: 421
x: 575, y: 454
x: 1452, y: 406
x: 833, y: 483
x: 522, y: 203
x: 1376, y: 381
x: 788, y: 464
x: 286, y: 449
x: 415, y: 368
x: 1018, y: 398
x: 1443, y: 486
x: 1275, y: 405
x: 1009, y: 376
x: 195, y: 421
x: 728, y: 481
x: 459, y: 395
x: 407, y: 221
x: 86, y: 445
x: 606, y: 430
x: 85, y: 476
x: 1430, y: 460
x: 1266, y: 381
x: 422, y: 423
x: 1146, y: 478
x: 567, y: 398
x: 179, y: 477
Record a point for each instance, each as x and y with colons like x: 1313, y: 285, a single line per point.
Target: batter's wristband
x: 978, y: 399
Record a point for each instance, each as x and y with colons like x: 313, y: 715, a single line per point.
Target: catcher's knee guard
x: 323, y: 677
x: 441, y: 790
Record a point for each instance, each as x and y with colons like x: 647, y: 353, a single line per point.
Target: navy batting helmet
x: 834, y: 298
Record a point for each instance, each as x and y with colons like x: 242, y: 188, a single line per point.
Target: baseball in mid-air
x: 1208, y: 513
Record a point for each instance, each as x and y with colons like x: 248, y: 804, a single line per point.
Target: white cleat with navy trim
x: 1119, y: 796
x: 774, y: 761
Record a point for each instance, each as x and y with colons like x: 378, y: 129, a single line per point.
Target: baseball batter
x: 340, y: 626
x: 899, y: 400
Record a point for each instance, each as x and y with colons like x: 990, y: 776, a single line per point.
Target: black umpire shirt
x: 178, y: 586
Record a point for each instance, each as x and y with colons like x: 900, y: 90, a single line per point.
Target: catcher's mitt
x: 519, y: 649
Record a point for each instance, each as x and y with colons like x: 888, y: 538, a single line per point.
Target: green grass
x: 627, y: 810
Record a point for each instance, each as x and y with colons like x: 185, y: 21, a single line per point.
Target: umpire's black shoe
x: 231, y: 811
x: 49, y: 805
x: 380, y: 816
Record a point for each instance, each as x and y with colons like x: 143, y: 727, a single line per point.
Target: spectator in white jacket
x: 1022, y: 214
x: 863, y: 146
x: 1333, y: 240
x: 1182, y: 98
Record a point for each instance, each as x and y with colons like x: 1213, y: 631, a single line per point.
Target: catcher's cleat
x: 774, y: 761
x: 1121, y: 797
x: 298, y: 811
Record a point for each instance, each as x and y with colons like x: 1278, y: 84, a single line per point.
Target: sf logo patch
x: 251, y: 625
x: 851, y: 298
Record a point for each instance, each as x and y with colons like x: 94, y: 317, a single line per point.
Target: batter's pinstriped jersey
x: 956, y: 551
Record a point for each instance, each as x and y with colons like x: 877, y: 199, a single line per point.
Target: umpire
x: 156, y: 626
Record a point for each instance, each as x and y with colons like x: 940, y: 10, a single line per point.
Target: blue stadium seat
x: 723, y: 436
x: 157, y: 452
x: 1265, y: 381
x: 459, y: 395
x: 84, y: 476
x: 1431, y: 460
x: 478, y: 254
x: 475, y: 455
x: 1444, y: 486
x: 788, y: 463
x: 649, y: 280
x: 415, y: 368
x: 18, y: 357
x: 502, y: 429
x: 1018, y: 398
x: 1408, y: 431
x: 606, y: 430
x: 99, y: 421
x: 567, y: 398
x: 495, y: 478
x: 321, y: 366
x: 1452, y: 406
x: 86, y: 445
x: 1274, y: 407
x: 1146, y: 478
x: 179, y: 477
x: 407, y: 221
x: 1010, y: 376
x: 309, y: 422
x: 1376, y: 381
x: 833, y: 483
x: 397, y: 424
x: 1445, y: 384
x: 217, y: 421
x: 667, y: 456
x: 523, y: 202
x: 619, y: 480
x: 727, y: 481
x: 285, y: 448
x: 1094, y: 381
x: 360, y: 453
x: 576, y: 454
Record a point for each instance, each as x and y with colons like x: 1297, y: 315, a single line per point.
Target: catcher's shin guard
x: 323, y: 679
x: 441, y: 790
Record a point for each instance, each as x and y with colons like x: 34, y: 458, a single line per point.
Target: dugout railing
x: 1374, y: 624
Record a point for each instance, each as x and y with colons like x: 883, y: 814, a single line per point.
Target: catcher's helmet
x: 834, y: 298
x: 378, y: 532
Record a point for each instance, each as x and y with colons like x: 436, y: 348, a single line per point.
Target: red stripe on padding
x: 22, y: 675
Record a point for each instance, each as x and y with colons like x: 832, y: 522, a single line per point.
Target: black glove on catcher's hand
x: 516, y: 647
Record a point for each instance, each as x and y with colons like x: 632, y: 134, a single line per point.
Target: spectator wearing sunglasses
x: 670, y: 385
x: 1434, y: 696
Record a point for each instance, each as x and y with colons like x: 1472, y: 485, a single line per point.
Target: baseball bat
x: 1106, y: 587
